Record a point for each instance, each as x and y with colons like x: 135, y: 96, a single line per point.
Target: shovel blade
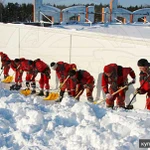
x: 129, y: 107
x: 52, y: 96
x: 8, y: 79
x: 25, y: 92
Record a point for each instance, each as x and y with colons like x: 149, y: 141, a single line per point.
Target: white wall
x: 90, y: 51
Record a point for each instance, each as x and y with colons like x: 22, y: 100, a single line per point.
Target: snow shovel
x: 8, y: 79
x: 99, y: 102
x: 55, y: 95
x: 52, y: 96
x: 25, y: 92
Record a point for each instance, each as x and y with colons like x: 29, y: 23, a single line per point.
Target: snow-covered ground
x: 30, y: 123
x: 137, y: 30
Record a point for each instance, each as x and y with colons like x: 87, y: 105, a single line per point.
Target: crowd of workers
x: 74, y: 81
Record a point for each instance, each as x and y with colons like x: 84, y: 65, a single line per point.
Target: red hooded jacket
x: 63, y: 69
x: 118, y: 77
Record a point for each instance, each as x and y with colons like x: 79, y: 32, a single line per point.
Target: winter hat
x: 108, y: 69
x: 53, y: 65
x: 17, y: 60
x: 72, y: 73
x: 143, y: 62
x: 30, y: 62
x: 1, y: 53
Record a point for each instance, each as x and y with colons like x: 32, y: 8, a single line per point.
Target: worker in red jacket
x: 114, y: 77
x: 82, y: 80
x: 42, y: 68
x: 143, y: 65
x: 26, y: 66
x: 16, y: 65
x: 62, y: 71
x: 5, y: 64
x: 29, y: 68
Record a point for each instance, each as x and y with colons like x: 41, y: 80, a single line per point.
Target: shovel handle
x: 78, y: 94
x: 65, y: 81
x: 98, y: 102
x: 122, y: 88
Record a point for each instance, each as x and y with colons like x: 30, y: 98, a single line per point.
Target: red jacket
x: 118, y: 78
x: 16, y: 66
x: 83, y: 77
x: 24, y: 65
x: 41, y: 66
x: 63, y: 69
x: 146, y: 86
x: 4, y: 59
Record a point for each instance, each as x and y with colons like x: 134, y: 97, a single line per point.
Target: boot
x: 41, y: 93
x: 61, y: 96
x: 90, y: 99
x: 18, y: 87
x: 12, y: 87
x: 47, y: 93
x: 33, y: 85
x: 27, y: 84
x: 5, y: 76
x: 15, y: 87
x: 33, y: 91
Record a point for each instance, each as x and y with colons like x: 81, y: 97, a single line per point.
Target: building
x: 75, y: 14
x: 45, y: 13
x: 83, y: 14
x: 112, y: 13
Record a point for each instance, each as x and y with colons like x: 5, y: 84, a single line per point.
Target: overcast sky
x: 124, y: 3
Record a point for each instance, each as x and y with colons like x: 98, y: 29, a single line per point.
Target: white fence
x: 90, y: 51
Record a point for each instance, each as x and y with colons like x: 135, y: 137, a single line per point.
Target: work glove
x: 61, y: 95
x: 134, y: 80
x: 108, y: 96
x: 60, y: 85
x: 85, y: 86
x: 27, y: 84
x: 33, y: 85
x: 2, y: 67
x: 138, y: 91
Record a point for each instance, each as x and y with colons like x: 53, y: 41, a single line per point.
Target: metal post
x: 70, y: 50
x: 19, y: 41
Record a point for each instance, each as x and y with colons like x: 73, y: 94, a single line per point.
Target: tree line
x: 14, y: 12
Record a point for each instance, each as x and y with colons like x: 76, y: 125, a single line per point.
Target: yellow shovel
x: 55, y: 95
x: 25, y: 92
x: 52, y: 96
x: 8, y: 79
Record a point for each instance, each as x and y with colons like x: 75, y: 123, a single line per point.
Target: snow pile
x: 32, y: 123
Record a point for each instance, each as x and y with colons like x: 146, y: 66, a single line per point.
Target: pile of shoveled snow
x: 32, y: 123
